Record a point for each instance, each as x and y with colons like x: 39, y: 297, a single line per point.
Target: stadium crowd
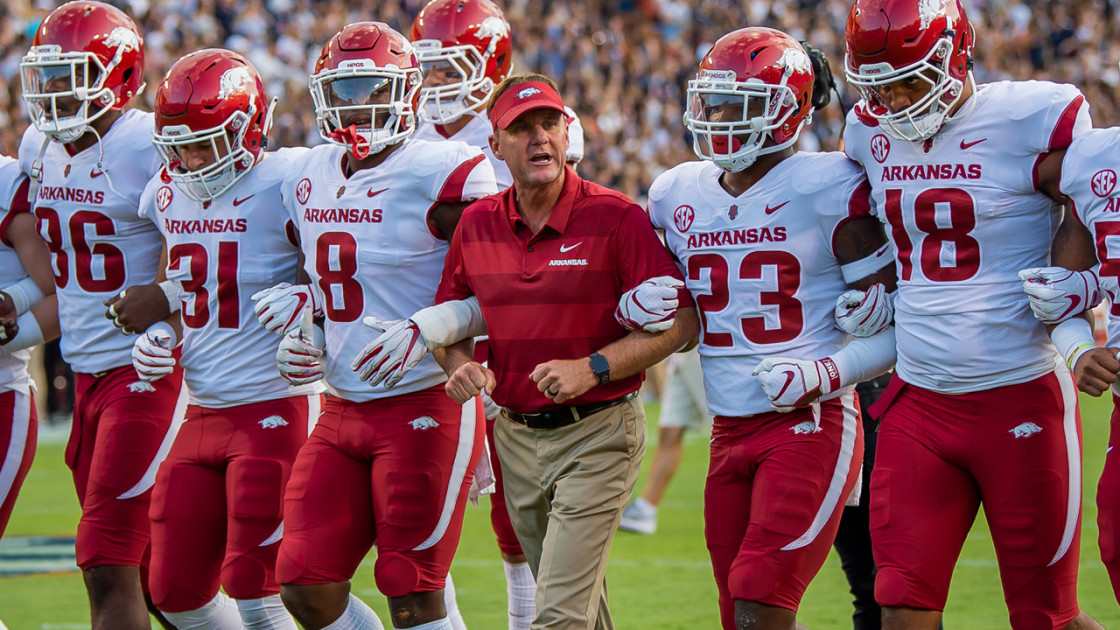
x: 621, y: 65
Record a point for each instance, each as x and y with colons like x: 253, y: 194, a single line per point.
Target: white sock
x: 357, y: 616
x: 219, y: 613
x: 438, y: 624
x: 266, y: 613
x: 452, y: 606
x: 521, y: 589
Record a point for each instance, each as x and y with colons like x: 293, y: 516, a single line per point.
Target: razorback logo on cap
x: 527, y: 92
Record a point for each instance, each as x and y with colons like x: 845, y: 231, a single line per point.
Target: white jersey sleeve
x: 761, y: 266
x: 13, y: 368
x: 87, y: 207
x: 964, y: 214
x: 476, y: 133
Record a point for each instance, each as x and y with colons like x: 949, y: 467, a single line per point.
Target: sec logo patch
x: 163, y: 197
x: 1103, y: 182
x: 683, y: 217
x: 303, y: 190
x: 880, y: 147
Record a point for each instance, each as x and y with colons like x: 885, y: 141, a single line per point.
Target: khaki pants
x: 565, y: 489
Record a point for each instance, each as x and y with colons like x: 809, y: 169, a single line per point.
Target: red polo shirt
x: 552, y: 295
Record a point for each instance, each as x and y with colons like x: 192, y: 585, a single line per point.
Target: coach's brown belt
x: 563, y: 416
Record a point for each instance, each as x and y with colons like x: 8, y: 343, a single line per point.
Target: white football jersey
x: 13, y: 367
x: 761, y: 266
x: 99, y: 245
x: 219, y: 254
x: 1089, y: 174
x: 965, y: 216
x: 477, y: 134
x: 369, y: 248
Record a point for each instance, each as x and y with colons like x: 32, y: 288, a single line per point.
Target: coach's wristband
x: 1073, y: 338
x: 29, y: 335
x: 171, y: 292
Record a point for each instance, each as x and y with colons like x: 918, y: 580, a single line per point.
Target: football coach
x: 548, y: 260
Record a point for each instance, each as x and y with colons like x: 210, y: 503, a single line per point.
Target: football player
x: 89, y: 162
x: 28, y: 316
x: 768, y: 238
x: 981, y: 408
x: 374, y: 210
x: 1085, y: 270
x: 217, y: 505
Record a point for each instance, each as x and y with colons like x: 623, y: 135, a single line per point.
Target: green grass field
x: 662, y: 582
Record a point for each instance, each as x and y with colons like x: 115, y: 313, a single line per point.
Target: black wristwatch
x: 600, y: 367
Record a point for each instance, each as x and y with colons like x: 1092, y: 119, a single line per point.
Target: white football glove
x: 1058, y: 294
x: 151, y: 354
x: 278, y: 308
x: 392, y: 355
x: 651, y: 306
x: 791, y: 383
x: 864, y: 313
x: 300, y: 350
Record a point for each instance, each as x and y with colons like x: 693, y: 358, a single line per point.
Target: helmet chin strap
x: 349, y: 135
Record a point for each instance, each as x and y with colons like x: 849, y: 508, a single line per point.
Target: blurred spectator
x: 622, y: 65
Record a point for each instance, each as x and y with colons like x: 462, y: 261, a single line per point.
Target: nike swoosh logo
x: 772, y: 209
x: 94, y: 173
x: 785, y: 386
x: 238, y: 202
x: 568, y: 248
x: 373, y: 193
x: 965, y: 145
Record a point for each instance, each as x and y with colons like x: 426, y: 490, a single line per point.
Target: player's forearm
x: 865, y: 358
x: 638, y: 350
x: 32, y: 251
x: 454, y: 356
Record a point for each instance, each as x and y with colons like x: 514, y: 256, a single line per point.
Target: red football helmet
x: 755, y: 85
x: 213, y: 96
x: 472, y: 38
x: 366, y: 88
x: 84, y: 54
x: 894, y: 40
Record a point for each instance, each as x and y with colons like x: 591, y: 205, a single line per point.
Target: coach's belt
x: 563, y: 416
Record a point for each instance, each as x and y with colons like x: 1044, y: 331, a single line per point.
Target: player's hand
x: 9, y: 328
x: 300, y: 350
x: 1096, y: 370
x: 651, y: 306
x: 7, y: 308
x: 278, y: 308
x: 864, y: 313
x: 151, y: 354
x: 564, y: 379
x: 137, y: 308
x: 392, y: 355
x: 469, y: 380
x: 791, y: 383
x: 1058, y: 294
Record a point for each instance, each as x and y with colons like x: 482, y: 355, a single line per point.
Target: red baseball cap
x: 521, y: 98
